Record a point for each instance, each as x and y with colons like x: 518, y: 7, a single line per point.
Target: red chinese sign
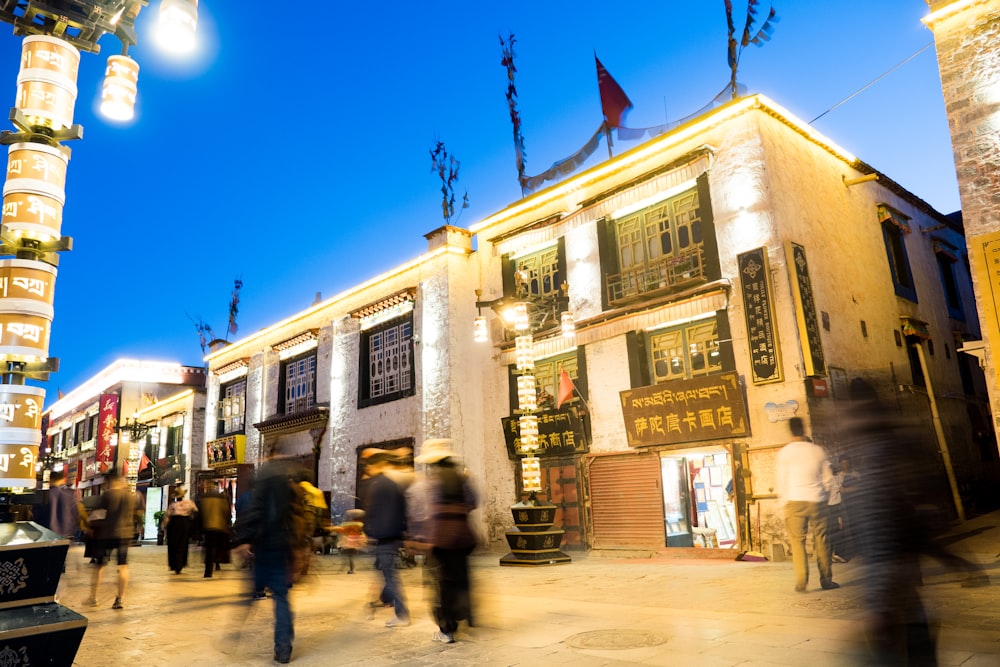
x: 107, y: 431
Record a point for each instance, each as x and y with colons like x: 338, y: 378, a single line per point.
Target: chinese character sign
x: 703, y: 408
x: 560, y: 433
x: 107, y: 431
x: 805, y: 310
x: 759, y: 312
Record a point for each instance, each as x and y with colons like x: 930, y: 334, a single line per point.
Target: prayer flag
x: 614, y: 102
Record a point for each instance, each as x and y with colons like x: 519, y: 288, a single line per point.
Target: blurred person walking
x: 803, y: 482
x: 113, y: 532
x: 892, y: 537
x: 351, y: 538
x: 215, y: 512
x: 64, y: 517
x: 179, y: 520
x: 272, y: 528
x: 449, y: 498
x: 384, y: 503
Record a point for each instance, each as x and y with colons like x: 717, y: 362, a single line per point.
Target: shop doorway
x: 698, y: 507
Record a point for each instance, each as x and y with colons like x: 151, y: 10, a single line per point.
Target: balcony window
x: 299, y: 383
x: 685, y: 352
x: 661, y: 247
x: 232, y: 406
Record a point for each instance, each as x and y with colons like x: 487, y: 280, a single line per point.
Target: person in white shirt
x: 804, y: 478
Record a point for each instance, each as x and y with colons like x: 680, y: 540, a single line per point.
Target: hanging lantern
x: 531, y: 474
x: 521, y: 321
x: 528, y: 432
x: 121, y: 85
x: 527, y: 394
x: 524, y: 353
x: 568, y: 325
x: 481, y: 333
x: 176, y: 26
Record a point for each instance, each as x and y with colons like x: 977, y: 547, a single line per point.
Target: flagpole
x: 607, y: 134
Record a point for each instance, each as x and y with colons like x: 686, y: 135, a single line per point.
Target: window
x: 895, y: 227
x: 175, y: 441
x: 537, y: 275
x: 661, y: 246
x: 232, y: 406
x: 685, y: 352
x: 386, y: 362
x: 946, y: 268
x: 299, y: 383
x: 547, y: 378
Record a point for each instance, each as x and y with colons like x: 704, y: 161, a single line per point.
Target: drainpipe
x: 939, y: 432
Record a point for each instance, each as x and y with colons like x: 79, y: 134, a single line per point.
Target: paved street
x: 598, y: 610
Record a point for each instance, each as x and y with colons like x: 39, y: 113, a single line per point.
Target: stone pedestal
x: 34, y: 629
x: 534, y: 542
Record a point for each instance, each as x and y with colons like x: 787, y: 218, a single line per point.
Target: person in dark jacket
x: 215, y: 512
x: 273, y: 528
x: 113, y: 532
x: 384, y: 504
x: 449, y: 498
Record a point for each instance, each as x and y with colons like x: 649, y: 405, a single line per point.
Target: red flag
x: 144, y: 462
x: 614, y: 102
x: 565, y: 388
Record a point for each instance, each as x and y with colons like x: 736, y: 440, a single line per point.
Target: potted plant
x: 158, y: 518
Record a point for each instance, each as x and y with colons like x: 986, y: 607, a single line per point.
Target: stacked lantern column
x: 30, y: 228
x: 534, y: 541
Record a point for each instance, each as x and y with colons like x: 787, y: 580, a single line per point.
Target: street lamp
x: 133, y: 433
x: 526, y: 315
x: 55, y: 32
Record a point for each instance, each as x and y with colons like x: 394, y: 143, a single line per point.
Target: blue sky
x: 297, y: 157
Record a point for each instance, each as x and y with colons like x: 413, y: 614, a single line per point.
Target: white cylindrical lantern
x: 521, y: 321
x: 524, y: 353
x: 531, y: 474
x: 568, y: 325
x: 481, y: 333
x: 527, y: 393
x: 528, y: 432
x: 121, y: 86
x: 176, y: 25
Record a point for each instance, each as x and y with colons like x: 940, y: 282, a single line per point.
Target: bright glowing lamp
x: 481, y: 333
x: 175, y: 30
x: 527, y: 394
x: 531, y: 474
x: 121, y: 81
x: 528, y: 430
x: 521, y: 321
x: 524, y: 353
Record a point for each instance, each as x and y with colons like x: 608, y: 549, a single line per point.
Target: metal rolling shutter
x: 626, y: 501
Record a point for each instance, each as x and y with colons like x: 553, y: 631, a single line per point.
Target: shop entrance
x: 698, y: 507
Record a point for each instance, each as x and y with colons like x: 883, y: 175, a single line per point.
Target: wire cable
x: 874, y: 81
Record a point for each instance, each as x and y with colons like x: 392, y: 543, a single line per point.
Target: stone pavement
x: 601, y: 609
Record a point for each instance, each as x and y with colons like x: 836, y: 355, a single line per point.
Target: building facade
x: 723, y: 277
x: 966, y: 35
x: 143, y: 418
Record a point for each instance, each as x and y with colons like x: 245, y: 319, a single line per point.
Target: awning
x: 914, y: 327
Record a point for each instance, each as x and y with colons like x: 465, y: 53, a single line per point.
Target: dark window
x: 952, y: 297
x: 175, y: 440
x: 895, y: 227
x: 386, y: 362
x: 298, y: 384
x: 684, y: 352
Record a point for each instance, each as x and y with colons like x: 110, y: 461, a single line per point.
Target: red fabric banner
x: 614, y: 101
x: 107, y: 428
x: 565, y: 388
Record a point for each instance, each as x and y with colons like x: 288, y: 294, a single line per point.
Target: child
x: 351, y: 536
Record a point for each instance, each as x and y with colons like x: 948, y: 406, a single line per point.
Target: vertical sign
x: 987, y: 266
x: 107, y: 431
x: 805, y: 310
x: 759, y: 313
